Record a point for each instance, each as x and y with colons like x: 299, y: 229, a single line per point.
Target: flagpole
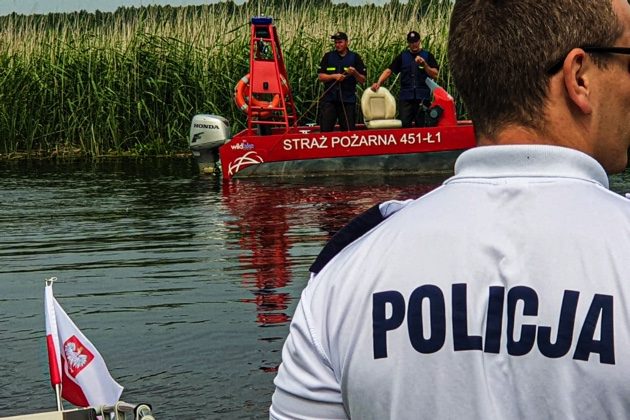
x: 49, y: 282
x: 59, y: 402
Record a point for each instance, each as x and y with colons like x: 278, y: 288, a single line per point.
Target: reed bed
x: 129, y: 82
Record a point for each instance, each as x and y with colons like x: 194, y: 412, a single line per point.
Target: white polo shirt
x: 504, y: 293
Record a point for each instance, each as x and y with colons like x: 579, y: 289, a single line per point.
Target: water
x: 185, y: 285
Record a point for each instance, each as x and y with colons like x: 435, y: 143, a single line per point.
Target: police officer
x: 505, y: 292
x: 414, y: 65
x: 340, y: 70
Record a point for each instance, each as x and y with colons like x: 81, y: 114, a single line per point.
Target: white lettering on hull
x: 356, y: 141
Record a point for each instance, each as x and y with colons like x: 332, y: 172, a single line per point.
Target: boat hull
x: 308, y: 152
x: 428, y: 163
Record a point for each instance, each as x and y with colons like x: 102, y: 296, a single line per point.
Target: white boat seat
x: 379, y: 109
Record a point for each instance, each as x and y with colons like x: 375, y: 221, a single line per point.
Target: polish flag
x: 74, y: 362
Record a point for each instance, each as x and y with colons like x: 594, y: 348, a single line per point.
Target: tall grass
x: 130, y: 81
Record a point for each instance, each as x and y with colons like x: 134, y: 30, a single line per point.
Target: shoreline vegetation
x: 128, y: 83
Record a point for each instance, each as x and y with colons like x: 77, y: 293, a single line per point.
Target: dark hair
x: 499, y: 52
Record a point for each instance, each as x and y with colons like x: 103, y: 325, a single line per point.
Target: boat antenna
x: 237, y: 28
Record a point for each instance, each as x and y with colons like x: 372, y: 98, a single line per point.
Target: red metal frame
x: 268, y: 77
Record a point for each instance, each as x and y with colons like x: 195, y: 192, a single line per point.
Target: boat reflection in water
x: 280, y: 227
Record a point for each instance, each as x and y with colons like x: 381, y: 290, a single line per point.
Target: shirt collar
x: 528, y: 161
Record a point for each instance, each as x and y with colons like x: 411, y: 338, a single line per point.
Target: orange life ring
x: 242, y: 100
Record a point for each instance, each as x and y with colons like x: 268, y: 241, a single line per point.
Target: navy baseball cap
x: 413, y: 36
x: 339, y: 35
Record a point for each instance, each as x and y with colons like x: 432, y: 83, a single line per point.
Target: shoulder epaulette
x: 356, y: 228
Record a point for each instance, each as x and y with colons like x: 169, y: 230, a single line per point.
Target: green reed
x: 129, y: 82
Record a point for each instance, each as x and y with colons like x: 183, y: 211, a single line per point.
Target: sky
x: 29, y: 7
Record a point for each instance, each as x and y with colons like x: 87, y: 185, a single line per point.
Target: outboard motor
x: 207, y: 134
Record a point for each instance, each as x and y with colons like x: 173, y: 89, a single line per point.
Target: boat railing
x: 120, y: 411
x: 124, y: 411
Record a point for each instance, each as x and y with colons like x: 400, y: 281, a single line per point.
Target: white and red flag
x: 75, y: 364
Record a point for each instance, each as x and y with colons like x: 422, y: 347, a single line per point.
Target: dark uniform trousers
x: 413, y: 111
x: 330, y: 112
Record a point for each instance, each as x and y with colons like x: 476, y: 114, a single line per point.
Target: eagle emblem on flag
x: 77, y: 355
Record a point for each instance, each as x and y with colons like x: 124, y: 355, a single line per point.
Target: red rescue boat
x: 274, y: 144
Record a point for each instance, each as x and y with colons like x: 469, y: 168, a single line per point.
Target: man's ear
x: 578, y: 72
